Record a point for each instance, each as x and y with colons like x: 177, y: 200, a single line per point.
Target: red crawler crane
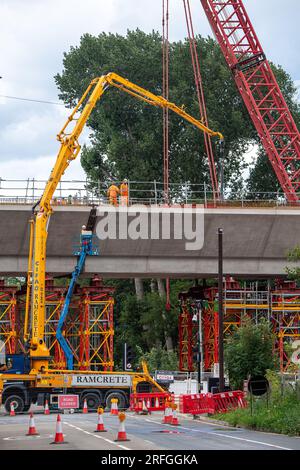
x: 259, y: 90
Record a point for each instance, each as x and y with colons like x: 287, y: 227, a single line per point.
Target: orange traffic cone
x: 149, y: 406
x: 85, y: 408
x: 122, y: 433
x: 46, y: 409
x: 12, y: 410
x: 140, y: 407
x: 167, y: 414
x: 100, y: 424
x: 174, y: 420
x: 59, y: 437
x: 114, y: 407
x: 144, y: 409
x: 32, y: 430
x: 156, y: 403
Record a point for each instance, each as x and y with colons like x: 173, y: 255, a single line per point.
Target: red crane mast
x: 259, y: 89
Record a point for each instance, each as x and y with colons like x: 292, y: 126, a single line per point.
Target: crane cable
x: 165, y: 68
x: 200, y: 96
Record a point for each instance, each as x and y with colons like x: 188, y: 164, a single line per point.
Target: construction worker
x: 124, y: 193
x: 5, y: 367
x: 112, y: 194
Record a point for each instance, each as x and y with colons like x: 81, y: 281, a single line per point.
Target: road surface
x: 143, y: 432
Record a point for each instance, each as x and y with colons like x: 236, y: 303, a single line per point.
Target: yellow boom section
x: 69, y: 150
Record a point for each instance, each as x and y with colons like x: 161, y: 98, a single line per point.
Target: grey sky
x: 35, y: 33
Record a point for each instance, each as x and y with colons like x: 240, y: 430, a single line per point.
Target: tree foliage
x: 126, y: 137
x: 158, y: 359
x: 145, y: 324
x: 126, y: 134
x: 249, y: 352
x: 294, y: 257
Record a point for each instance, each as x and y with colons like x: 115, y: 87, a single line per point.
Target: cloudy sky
x: 35, y: 33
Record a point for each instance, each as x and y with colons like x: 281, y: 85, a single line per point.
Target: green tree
x: 294, y: 257
x: 126, y: 138
x: 145, y: 324
x: 126, y: 135
x: 249, y: 352
x: 158, y: 359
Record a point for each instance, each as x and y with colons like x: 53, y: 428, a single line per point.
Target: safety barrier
x: 210, y: 404
x: 197, y: 404
x: 152, y: 401
x: 229, y: 401
x: 87, y: 193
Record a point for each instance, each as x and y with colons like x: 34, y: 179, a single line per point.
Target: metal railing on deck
x: 76, y: 192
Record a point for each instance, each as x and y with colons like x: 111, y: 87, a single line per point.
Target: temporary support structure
x: 88, y: 329
x: 281, y: 307
x: 96, y: 327
x: 185, y: 334
x: 9, y: 325
x: 54, y: 299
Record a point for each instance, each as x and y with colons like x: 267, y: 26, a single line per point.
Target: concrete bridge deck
x: 256, y: 243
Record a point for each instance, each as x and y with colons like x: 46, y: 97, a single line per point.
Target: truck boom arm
x: 86, y: 249
x: 69, y: 150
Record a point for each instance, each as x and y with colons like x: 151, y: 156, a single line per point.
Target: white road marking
x: 97, y: 436
x: 26, y: 438
x: 252, y: 441
x: 225, y: 435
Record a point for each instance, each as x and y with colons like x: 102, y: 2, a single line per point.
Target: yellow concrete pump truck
x: 35, y: 381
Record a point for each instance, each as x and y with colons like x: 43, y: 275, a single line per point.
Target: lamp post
x: 221, y: 315
x: 197, y: 317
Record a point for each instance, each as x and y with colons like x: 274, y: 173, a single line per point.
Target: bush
x: 280, y: 415
x: 249, y: 352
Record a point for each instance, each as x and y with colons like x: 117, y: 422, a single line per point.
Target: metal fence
x: 78, y: 192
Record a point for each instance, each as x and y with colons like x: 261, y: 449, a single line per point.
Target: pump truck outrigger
x: 30, y: 378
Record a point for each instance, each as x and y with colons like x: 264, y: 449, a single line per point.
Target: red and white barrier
x: 207, y: 403
x: 154, y: 401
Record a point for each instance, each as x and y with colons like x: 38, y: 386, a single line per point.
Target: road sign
x: 165, y: 377
x: 67, y: 402
x: 258, y: 386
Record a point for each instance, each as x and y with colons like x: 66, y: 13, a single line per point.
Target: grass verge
x: 279, y: 416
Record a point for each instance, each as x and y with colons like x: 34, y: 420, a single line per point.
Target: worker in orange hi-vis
x: 112, y: 194
x: 124, y: 193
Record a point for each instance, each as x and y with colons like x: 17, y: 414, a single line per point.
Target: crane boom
x: 259, y: 89
x: 69, y: 150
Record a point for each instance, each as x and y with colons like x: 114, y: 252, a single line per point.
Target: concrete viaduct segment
x: 256, y: 243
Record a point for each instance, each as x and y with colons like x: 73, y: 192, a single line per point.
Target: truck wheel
x: 17, y: 401
x: 122, y: 402
x: 93, y: 401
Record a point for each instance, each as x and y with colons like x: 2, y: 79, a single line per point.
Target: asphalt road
x: 143, y: 432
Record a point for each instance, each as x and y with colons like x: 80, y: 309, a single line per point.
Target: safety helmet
x: 125, y: 180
